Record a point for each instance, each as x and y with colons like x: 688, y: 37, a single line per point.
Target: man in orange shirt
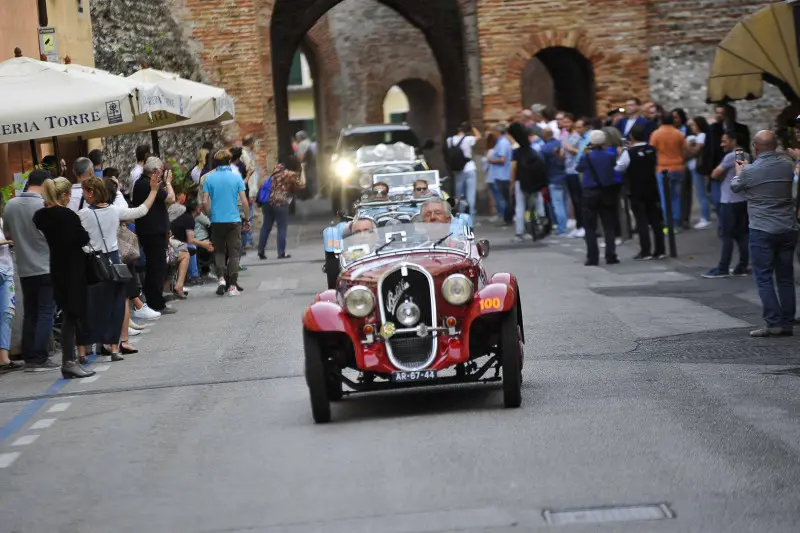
x: 670, y: 145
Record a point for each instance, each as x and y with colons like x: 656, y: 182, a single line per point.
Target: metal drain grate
x: 629, y: 513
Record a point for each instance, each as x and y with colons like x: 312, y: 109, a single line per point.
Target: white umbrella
x: 41, y: 100
x: 209, y: 105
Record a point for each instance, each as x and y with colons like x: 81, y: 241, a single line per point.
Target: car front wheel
x: 511, y: 359
x: 316, y: 379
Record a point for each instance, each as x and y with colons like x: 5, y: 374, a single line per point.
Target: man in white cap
x: 600, y: 197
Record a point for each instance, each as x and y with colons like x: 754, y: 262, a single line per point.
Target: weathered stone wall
x: 129, y: 33
x: 682, y: 35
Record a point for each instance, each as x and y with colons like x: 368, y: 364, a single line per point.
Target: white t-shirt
x: 700, y: 138
x: 109, y: 218
x: 553, y: 125
x: 136, y: 173
x: 466, y: 148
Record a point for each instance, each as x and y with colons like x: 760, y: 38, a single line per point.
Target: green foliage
x: 9, y: 191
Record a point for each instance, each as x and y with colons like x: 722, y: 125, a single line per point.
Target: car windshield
x: 384, y: 153
x: 355, y: 140
x: 403, y: 236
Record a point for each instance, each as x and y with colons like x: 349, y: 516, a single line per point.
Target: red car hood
x: 435, y: 263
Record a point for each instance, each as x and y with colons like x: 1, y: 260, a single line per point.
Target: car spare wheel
x: 316, y: 379
x: 511, y: 356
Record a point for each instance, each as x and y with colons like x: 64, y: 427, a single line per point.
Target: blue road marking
x: 33, y: 406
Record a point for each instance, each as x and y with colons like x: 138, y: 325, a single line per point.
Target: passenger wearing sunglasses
x: 421, y: 189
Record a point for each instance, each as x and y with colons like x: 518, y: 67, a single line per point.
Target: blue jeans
x: 466, y: 185
x: 716, y: 195
x: 773, y: 254
x: 558, y: 195
x: 37, y: 321
x: 499, y: 203
x: 274, y: 214
x: 247, y: 236
x: 734, y: 222
x: 675, y: 185
x: 194, y: 271
x: 504, y: 186
x: 702, y: 196
x: 7, y: 306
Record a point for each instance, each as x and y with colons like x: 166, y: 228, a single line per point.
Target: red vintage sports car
x: 413, y: 306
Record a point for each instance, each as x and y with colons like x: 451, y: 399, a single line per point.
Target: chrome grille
x: 407, y: 351
x: 412, y: 351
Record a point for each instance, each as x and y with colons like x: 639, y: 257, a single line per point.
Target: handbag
x: 128, y: 244
x: 101, y: 265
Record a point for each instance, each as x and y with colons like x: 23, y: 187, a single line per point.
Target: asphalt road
x: 640, y: 387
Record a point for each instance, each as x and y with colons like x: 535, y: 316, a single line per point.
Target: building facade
x: 454, y: 60
x: 20, y: 21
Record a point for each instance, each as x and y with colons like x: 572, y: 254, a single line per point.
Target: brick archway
x: 510, y: 100
x: 439, y: 21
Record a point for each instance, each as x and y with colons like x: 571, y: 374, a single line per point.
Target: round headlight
x: 344, y: 168
x: 457, y: 289
x: 408, y: 314
x: 359, y: 301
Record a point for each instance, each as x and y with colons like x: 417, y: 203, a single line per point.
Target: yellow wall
x: 73, y: 31
x: 301, y: 104
x: 395, y: 102
x: 18, y: 24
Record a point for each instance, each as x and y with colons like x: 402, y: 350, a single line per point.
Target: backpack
x: 455, y: 156
x: 264, y: 192
x: 531, y: 172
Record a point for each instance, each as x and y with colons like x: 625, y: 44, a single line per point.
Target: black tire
x: 511, y: 359
x: 331, y: 269
x: 317, y: 380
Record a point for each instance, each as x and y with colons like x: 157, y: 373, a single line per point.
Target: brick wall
x: 362, y: 48
x: 610, y: 33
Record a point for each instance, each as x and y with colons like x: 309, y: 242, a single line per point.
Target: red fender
x: 327, y: 317
x: 499, y: 296
x: 326, y: 296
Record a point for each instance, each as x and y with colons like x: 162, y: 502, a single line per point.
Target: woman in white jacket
x: 107, y: 299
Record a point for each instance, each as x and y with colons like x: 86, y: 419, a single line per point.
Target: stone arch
x: 541, y: 39
x: 561, y: 77
x: 439, y: 21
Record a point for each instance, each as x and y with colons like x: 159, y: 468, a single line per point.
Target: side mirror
x: 483, y: 247
x: 428, y: 145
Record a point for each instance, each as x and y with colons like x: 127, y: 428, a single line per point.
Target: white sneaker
x: 233, y: 291
x: 573, y: 234
x: 133, y: 332
x: 618, y: 241
x: 580, y: 233
x: 145, y: 313
x: 134, y: 325
x: 571, y: 223
x: 703, y: 224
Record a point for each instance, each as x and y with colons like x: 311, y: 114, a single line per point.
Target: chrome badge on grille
x: 393, y: 297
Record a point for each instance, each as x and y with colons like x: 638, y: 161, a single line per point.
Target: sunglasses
x: 420, y: 189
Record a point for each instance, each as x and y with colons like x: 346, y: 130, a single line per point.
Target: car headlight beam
x: 359, y: 301
x: 344, y: 168
x: 457, y: 289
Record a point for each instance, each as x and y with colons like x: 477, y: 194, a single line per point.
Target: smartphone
x: 741, y: 155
